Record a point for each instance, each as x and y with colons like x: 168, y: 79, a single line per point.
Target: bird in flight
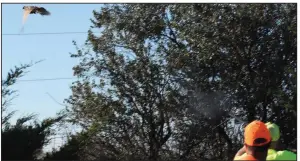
x: 34, y: 10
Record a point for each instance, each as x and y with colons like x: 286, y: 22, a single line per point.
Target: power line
x: 55, y: 100
x: 45, y: 33
x: 38, y: 80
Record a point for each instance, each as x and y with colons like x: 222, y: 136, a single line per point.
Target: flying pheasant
x: 34, y: 10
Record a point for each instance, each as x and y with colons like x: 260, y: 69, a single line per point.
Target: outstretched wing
x: 42, y: 11
x: 26, y: 13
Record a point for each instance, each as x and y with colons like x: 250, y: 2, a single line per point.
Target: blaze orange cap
x: 255, y: 130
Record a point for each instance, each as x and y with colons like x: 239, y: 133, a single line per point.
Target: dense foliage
x: 156, y: 79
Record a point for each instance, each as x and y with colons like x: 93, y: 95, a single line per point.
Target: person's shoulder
x: 286, y: 155
x: 286, y: 152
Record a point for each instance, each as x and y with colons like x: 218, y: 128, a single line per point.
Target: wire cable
x: 55, y: 100
x: 45, y: 33
x: 38, y: 80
